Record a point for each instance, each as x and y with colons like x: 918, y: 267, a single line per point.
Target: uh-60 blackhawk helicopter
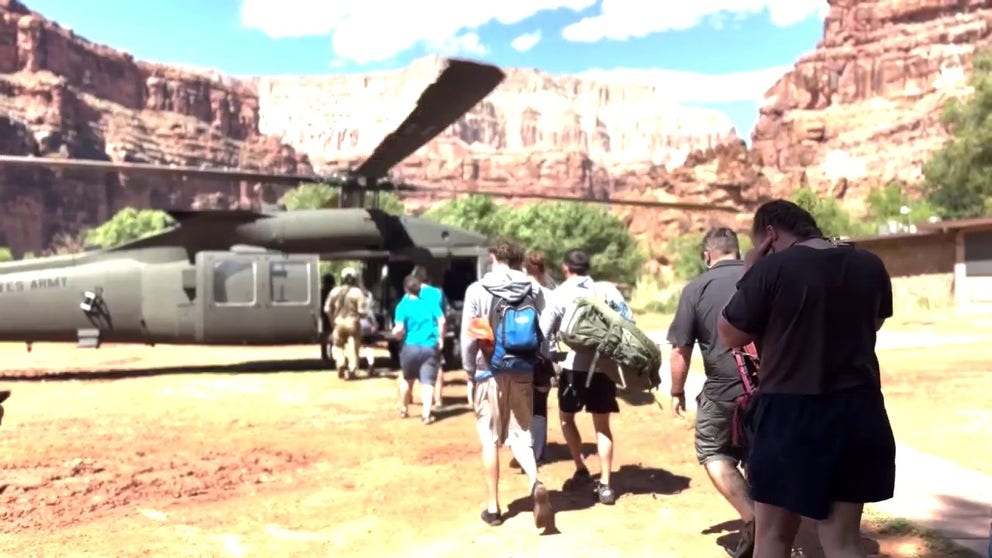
x: 222, y: 277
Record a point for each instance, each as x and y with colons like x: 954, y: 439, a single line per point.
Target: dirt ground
x: 178, y: 454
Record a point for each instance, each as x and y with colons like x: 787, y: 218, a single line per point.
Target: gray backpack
x: 593, y: 326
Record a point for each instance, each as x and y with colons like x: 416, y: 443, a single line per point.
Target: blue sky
x: 717, y: 53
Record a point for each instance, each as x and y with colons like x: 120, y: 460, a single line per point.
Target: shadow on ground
x: 627, y: 480
x: 257, y: 367
x: 555, y: 452
x: 888, y: 537
x: 637, y: 398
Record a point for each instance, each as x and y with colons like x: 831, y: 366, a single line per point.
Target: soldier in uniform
x: 345, y: 305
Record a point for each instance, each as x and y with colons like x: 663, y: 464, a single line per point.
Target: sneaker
x: 579, y: 478
x: 492, y: 519
x: 543, y: 514
x: 606, y: 494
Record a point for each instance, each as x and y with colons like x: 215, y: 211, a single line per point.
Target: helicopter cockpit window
x: 234, y: 282
x: 290, y: 282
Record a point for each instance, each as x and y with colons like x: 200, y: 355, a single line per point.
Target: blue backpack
x: 517, y: 334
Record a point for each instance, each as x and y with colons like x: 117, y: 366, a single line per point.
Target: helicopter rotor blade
x: 608, y: 201
x: 147, y: 169
x: 460, y: 87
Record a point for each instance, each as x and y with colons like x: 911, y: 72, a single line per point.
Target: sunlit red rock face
x: 863, y: 109
x: 61, y: 95
x: 859, y: 111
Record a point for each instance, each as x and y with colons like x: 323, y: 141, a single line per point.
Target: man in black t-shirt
x: 700, y: 305
x: 822, y: 445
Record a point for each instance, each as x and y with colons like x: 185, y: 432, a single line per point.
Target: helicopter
x: 251, y: 276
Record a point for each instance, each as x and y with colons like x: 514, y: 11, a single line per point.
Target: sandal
x: 404, y: 413
x: 429, y: 419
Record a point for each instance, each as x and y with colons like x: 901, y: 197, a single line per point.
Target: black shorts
x: 541, y: 403
x: 809, y: 451
x: 599, y: 398
x: 714, y: 430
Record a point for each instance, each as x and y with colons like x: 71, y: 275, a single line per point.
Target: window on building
x: 978, y: 254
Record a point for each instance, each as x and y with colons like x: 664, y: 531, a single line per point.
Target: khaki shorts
x: 504, y: 409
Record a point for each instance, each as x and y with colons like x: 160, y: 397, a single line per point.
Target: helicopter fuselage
x: 242, y: 296
x: 164, y: 298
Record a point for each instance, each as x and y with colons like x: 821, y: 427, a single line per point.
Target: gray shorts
x: 714, y: 427
x: 419, y: 362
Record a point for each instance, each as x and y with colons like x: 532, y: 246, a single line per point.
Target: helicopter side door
x: 259, y: 298
x: 232, y: 298
x: 292, y: 297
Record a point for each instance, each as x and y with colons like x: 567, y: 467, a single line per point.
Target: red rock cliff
x: 61, y: 95
x: 863, y: 109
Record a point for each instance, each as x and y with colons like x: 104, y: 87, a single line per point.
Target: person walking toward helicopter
x: 420, y: 325
x: 345, y: 305
x: 534, y: 266
x: 433, y: 295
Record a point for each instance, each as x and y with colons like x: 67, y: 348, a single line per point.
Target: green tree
x: 555, y: 228
x: 958, y: 177
x: 127, y: 225
x: 885, y: 204
x: 685, y: 255
x: 5, y: 254
x: 473, y: 212
x: 325, y: 196
x: 832, y: 219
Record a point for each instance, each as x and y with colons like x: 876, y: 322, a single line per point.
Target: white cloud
x: 469, y: 43
x: 679, y: 86
x: 527, y: 41
x: 624, y: 19
x: 374, y: 30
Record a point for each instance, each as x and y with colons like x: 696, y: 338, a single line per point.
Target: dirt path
x: 303, y: 464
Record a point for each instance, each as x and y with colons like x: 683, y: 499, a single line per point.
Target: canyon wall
x: 863, y: 109
x: 859, y: 111
x: 61, y: 95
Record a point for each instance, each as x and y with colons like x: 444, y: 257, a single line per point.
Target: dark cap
x: 577, y: 261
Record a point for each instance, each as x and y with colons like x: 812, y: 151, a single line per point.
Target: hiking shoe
x: 579, y: 478
x: 492, y: 519
x: 745, y: 546
x: 605, y: 494
x: 543, y: 514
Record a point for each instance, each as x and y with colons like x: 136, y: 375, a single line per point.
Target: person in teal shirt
x: 433, y: 295
x: 420, y: 323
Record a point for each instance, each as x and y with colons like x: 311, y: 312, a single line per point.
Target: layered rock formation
x: 860, y: 111
x: 61, y: 95
x: 863, y: 109
x: 343, y: 117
